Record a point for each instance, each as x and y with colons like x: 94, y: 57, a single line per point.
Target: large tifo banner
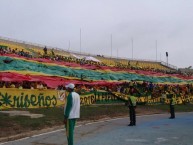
x: 158, y: 100
x: 26, y: 98
x: 98, y: 98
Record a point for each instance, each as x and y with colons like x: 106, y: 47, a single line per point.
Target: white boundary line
x: 58, y: 130
x: 87, y: 124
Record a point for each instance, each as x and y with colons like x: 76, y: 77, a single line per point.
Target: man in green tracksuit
x: 71, y: 112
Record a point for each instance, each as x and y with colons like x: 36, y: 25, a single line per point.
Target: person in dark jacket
x: 172, y: 105
x: 132, y: 107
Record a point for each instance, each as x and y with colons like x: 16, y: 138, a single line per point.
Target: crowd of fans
x: 8, y: 50
x: 156, y: 90
x: 24, y: 85
x: 141, y: 89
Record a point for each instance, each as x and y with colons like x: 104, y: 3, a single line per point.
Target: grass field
x: 11, y: 125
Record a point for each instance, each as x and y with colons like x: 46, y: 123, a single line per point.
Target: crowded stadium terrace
x: 32, y: 66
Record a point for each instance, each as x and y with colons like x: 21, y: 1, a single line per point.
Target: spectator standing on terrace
x: 52, y: 51
x: 150, y: 86
x: 12, y: 85
x: 40, y: 86
x: 20, y: 86
x: 71, y: 112
x: 131, y: 84
x: 4, y: 85
x: 132, y: 107
x: 45, y: 50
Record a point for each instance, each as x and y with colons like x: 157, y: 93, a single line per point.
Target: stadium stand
x: 37, y: 51
x: 27, y: 67
x: 85, y: 66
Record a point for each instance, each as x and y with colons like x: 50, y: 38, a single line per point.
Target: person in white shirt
x: 71, y: 112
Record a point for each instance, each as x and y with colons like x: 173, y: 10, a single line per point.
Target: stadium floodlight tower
x: 69, y: 46
x: 80, y: 40
x: 111, y: 46
x: 132, y: 47
x: 156, y: 49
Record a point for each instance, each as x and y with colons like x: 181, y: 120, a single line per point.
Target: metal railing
x: 169, y: 65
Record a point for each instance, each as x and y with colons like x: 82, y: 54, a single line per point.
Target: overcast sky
x: 56, y: 22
